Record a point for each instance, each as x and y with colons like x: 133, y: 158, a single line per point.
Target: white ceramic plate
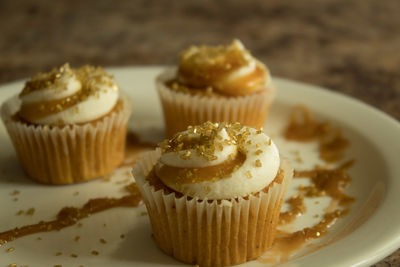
x: 368, y: 233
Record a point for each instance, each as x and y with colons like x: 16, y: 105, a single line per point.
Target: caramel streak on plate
x: 303, y: 128
x: 287, y: 243
x: 68, y: 216
x: 329, y: 182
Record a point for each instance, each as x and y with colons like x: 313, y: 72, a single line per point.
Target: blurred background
x: 350, y: 46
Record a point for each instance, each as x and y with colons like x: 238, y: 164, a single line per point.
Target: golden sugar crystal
x: 10, y: 249
x: 74, y: 255
x: 258, y: 145
x: 258, y: 163
x: 95, y: 252
x: 186, y: 155
x: 19, y: 212
x: 248, y: 174
x: 12, y: 265
x: 30, y: 211
x: 258, y: 152
x: 58, y: 254
x: 103, y: 241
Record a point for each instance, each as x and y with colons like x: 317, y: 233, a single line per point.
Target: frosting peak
x: 218, y: 161
x: 66, y: 95
x: 230, y: 70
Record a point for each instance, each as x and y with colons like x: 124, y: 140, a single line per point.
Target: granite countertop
x: 350, y: 46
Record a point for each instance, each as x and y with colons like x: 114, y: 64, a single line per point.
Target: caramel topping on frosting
x: 67, y: 95
x: 217, y: 160
x: 52, y: 79
x: 228, y: 70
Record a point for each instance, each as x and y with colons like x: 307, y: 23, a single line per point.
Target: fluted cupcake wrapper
x: 211, y: 233
x: 183, y: 109
x: 68, y: 154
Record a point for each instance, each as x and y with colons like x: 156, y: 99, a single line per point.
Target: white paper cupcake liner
x: 68, y: 154
x: 211, y: 233
x: 183, y: 109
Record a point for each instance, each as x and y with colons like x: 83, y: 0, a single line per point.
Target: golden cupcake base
x: 182, y: 109
x: 68, y: 154
x: 212, y: 233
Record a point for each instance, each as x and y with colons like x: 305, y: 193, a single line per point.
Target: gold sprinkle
x: 58, y: 265
x: 15, y: 192
x: 269, y: 141
x: 258, y: 152
x: 76, y: 239
x: 95, y: 252
x: 12, y: 265
x: 30, y: 211
x: 258, y: 145
x: 258, y: 163
x: 58, y: 254
x: 10, y: 249
x: 248, y: 174
x: 103, y: 241
x: 74, y: 255
x: 186, y: 155
x: 19, y: 212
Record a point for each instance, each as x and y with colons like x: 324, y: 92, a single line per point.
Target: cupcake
x: 218, y: 84
x: 214, y: 193
x: 68, y: 125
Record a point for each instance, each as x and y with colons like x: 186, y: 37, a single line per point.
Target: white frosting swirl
x: 246, y: 70
x: 249, y: 178
x: 93, y: 91
x: 177, y: 159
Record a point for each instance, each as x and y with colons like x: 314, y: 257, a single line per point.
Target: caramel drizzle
x: 286, y: 243
x: 68, y: 216
x: 170, y: 174
x: 329, y: 182
x: 296, y: 209
x: 208, y: 68
x: 303, y: 128
x: 90, y: 78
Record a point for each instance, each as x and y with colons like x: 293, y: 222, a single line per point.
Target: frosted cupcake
x: 68, y: 125
x: 219, y: 84
x: 214, y: 193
